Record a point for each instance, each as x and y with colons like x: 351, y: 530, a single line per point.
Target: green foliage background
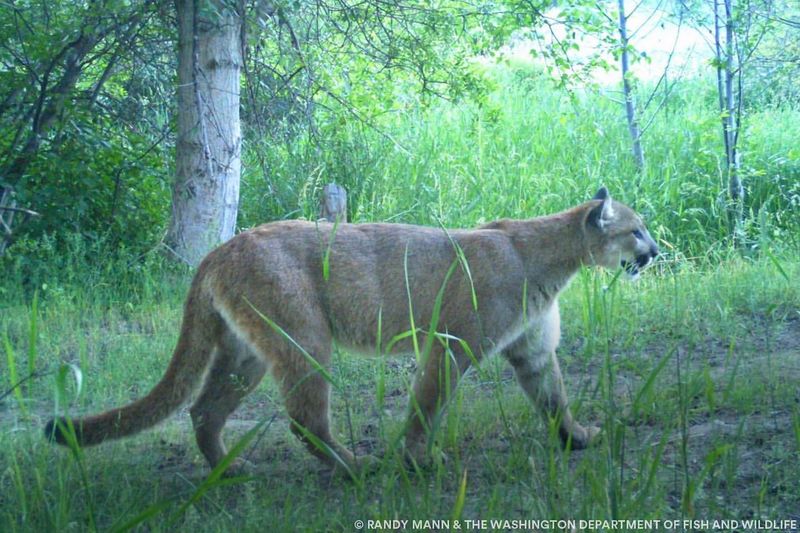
x: 402, y: 106
x: 692, y: 372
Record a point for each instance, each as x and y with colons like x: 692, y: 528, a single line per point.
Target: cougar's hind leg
x: 235, y: 372
x: 306, y: 393
x: 305, y: 389
x: 434, y: 385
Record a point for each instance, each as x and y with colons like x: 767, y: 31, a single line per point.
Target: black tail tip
x: 55, y: 431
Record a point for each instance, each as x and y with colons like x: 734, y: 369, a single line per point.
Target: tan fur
x: 516, y: 269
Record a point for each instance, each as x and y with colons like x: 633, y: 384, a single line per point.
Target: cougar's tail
x: 200, y: 329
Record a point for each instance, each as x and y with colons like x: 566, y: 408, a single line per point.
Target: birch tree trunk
x: 205, y: 195
x: 727, y: 70
x: 630, y: 108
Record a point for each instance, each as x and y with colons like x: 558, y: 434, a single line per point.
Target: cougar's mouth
x: 632, y: 268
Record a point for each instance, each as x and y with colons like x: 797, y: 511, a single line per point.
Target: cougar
x: 276, y: 298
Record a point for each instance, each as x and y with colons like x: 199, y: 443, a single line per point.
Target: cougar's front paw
x: 355, y: 467
x: 418, y: 455
x: 581, y: 437
x: 367, y: 463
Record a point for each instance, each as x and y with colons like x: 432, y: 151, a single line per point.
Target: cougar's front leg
x: 533, y: 357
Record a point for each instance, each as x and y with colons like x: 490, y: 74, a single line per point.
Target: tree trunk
x: 726, y: 72
x: 736, y: 190
x: 630, y: 108
x: 205, y: 196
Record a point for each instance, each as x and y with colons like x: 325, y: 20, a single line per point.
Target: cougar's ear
x: 602, y: 213
x: 602, y: 194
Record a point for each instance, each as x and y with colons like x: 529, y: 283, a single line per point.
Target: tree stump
x: 333, y: 204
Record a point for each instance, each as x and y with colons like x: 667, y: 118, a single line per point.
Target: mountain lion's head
x: 617, y: 236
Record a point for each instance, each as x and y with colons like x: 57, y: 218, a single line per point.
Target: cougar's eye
x: 638, y: 234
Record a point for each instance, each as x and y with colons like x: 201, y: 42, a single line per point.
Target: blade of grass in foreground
x: 461, y: 497
x: 67, y: 429
x: 310, y: 358
x: 774, y: 261
x: 649, y: 382
x: 32, y: 337
x: 13, y: 379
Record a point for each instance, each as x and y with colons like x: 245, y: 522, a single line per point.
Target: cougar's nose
x: 654, y: 251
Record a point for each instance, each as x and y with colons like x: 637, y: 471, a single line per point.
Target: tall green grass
x: 692, y: 372
x: 528, y: 149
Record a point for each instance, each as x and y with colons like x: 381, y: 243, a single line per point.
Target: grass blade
x: 776, y: 263
x: 313, y: 362
x: 461, y: 497
x: 33, y: 334
x: 13, y: 379
x: 649, y: 382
